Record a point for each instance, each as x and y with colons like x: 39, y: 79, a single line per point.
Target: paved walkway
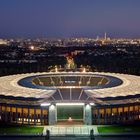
x: 62, y: 130
x: 81, y: 130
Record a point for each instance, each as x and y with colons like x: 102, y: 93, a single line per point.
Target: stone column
x: 5, y: 114
x: 16, y: 115
x: 41, y: 117
x: 0, y: 112
x: 111, y: 120
x: 105, y: 122
x: 52, y: 115
x: 117, y: 116
x: 22, y: 116
x: 129, y: 118
x: 34, y: 116
x: 28, y: 115
x: 123, y: 115
x: 98, y: 111
x: 10, y: 114
x: 133, y: 112
x: 87, y: 114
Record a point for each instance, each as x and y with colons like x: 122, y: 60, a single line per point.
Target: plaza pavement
x: 81, y: 130
x: 76, y: 130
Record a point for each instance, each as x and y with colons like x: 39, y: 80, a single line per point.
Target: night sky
x: 69, y: 18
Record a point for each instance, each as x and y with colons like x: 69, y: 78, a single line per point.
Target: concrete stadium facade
x: 51, y: 98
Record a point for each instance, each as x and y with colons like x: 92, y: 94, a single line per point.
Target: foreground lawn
x: 118, y: 129
x: 20, y: 130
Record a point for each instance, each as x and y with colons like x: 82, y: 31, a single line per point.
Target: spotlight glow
x: 56, y: 69
x: 84, y: 70
x: 70, y: 104
x: 92, y: 104
x: 45, y: 104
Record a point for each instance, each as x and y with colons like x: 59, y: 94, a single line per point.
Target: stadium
x: 69, y: 96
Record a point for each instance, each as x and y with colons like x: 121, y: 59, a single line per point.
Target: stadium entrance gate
x: 70, y: 114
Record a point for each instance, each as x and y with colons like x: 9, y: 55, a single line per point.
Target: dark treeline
x: 117, y: 63
x: 106, y: 58
x: 40, y: 66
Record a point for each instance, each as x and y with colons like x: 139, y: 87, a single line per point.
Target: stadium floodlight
x: 56, y: 70
x: 84, y: 70
x: 45, y: 104
x: 68, y: 104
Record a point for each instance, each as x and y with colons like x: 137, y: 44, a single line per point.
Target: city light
x: 32, y: 47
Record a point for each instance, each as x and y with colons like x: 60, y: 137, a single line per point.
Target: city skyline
x: 69, y: 18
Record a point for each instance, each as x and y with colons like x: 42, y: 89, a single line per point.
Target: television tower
x: 105, y: 37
